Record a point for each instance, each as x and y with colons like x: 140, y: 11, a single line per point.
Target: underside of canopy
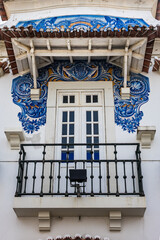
x: 124, y: 42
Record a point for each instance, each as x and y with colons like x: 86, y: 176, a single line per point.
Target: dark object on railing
x: 78, y: 175
x: 116, y: 172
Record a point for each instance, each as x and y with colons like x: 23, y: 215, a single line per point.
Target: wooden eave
x: 9, y: 34
x: 3, y: 11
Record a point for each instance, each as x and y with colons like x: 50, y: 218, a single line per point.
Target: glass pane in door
x: 92, y: 135
x: 67, y: 136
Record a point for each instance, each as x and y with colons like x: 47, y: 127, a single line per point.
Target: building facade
x: 80, y: 127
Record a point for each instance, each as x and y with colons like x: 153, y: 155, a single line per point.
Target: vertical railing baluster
x: 19, y: 175
x: 42, y: 176
x: 25, y: 178
x: 108, y: 179
x: 75, y: 166
x: 50, y: 177
x: 116, y: 169
x: 125, y: 177
x: 92, y: 176
x: 23, y: 163
x: 34, y: 177
x: 133, y: 177
x: 139, y: 171
x: 59, y: 176
x: 67, y: 177
x: 100, y: 177
x: 84, y: 183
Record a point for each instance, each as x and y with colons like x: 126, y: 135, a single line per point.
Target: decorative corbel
x: 115, y: 218
x: 146, y: 134
x: 44, y: 221
x: 14, y: 137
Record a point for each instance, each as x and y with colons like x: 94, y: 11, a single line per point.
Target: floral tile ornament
x: 85, y: 22
x: 33, y: 112
x: 127, y: 112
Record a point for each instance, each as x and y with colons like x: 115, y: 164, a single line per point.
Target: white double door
x: 80, y: 120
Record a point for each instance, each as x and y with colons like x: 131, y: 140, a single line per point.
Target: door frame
x: 79, y: 107
x: 107, y: 87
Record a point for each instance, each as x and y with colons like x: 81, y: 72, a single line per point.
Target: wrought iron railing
x: 117, y: 170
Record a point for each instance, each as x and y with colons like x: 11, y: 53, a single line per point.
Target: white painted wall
x: 151, y: 118
x: 30, y: 12
x: 34, y: 5
x: 146, y: 228
x: 9, y: 120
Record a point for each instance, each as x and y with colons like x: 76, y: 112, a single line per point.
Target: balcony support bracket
x: 44, y: 221
x: 115, y: 218
x: 14, y: 137
x: 146, y: 134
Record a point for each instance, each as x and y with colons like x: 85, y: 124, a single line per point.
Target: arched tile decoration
x: 85, y: 22
x: 127, y: 112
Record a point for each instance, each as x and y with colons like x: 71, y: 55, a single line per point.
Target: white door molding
x: 107, y: 87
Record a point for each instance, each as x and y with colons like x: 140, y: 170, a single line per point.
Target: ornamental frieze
x: 82, y: 22
x: 128, y: 112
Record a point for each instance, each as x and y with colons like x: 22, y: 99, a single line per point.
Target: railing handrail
x: 78, y: 144
x: 82, y: 160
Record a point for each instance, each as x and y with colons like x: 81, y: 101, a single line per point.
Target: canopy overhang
x: 126, y: 43
x: 46, y: 50
x: 136, y: 43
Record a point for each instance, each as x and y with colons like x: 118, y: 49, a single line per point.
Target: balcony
x: 113, y: 180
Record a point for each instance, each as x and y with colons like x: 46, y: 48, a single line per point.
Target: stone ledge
x: 84, y: 206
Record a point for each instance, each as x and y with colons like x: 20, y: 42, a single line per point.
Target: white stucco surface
x: 139, y: 228
x: 150, y: 118
x: 33, y: 14
x: 9, y: 120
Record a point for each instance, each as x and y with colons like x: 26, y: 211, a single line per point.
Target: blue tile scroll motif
x: 127, y: 112
x: 85, y: 22
x: 33, y: 113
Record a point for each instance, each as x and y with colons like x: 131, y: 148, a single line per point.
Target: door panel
x: 80, y: 119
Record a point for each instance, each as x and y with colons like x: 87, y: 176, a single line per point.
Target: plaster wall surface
x: 13, y: 6
x: 9, y: 120
x: 150, y: 118
x: 26, y: 11
x: 11, y: 227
